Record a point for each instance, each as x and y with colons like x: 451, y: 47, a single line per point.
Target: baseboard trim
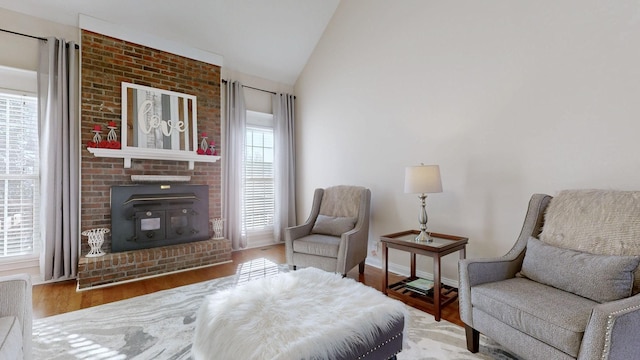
x: 405, y: 271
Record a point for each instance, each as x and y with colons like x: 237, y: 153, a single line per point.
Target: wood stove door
x: 150, y: 226
x: 180, y: 223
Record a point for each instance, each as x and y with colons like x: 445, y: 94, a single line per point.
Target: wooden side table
x: 442, y: 245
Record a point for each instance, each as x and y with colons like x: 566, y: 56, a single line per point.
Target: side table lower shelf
x: 448, y: 294
x: 439, y: 246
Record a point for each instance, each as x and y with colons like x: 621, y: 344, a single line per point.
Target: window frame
x: 262, y: 234
x: 19, y: 83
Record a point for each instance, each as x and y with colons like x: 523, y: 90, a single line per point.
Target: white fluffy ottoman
x: 306, y: 314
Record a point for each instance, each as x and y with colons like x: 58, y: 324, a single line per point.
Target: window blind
x: 259, y: 198
x: 19, y: 175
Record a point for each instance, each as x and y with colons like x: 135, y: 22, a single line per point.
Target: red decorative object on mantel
x: 206, y: 148
x: 112, y: 138
x: 212, y: 148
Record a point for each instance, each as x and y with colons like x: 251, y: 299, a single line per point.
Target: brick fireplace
x: 106, y: 63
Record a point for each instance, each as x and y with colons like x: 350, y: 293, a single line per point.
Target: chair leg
x: 361, y: 267
x: 473, y: 338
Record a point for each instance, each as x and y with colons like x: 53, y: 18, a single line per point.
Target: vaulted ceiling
x: 271, y: 39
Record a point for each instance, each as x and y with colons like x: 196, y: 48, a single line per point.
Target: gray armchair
x: 335, y: 236
x: 15, y: 317
x: 569, y: 295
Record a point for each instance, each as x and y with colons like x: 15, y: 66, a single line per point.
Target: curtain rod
x: 31, y: 36
x: 21, y: 34
x: 249, y: 87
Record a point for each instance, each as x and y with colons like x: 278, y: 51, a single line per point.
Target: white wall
x: 22, y: 52
x: 510, y: 98
x: 255, y: 100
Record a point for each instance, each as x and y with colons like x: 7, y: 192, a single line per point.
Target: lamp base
x: 422, y: 219
x: 424, y: 237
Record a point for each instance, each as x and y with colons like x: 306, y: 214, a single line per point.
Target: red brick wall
x: 106, y: 63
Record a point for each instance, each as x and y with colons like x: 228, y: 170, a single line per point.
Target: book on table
x: 420, y: 286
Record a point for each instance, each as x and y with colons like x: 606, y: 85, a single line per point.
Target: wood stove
x: 146, y: 216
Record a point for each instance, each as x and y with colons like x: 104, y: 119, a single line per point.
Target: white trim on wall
x: 405, y: 271
x: 29, y: 264
x: 18, y: 81
x: 125, y: 33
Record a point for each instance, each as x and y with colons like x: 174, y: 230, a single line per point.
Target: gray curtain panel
x: 234, y: 132
x: 285, y: 164
x: 59, y: 158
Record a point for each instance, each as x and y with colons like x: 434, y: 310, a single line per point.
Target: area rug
x: 161, y: 326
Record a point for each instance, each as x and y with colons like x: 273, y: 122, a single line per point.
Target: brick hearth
x: 137, y: 264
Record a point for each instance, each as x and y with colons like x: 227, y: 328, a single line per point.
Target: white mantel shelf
x: 153, y: 154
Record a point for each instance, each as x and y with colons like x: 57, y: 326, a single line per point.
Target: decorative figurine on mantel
x: 212, y: 149
x: 97, y: 138
x: 204, y: 145
x: 206, y: 148
x: 112, y: 138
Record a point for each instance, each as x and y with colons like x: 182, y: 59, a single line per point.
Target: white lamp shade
x: 422, y: 179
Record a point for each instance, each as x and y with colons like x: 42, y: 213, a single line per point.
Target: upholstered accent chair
x: 15, y: 317
x: 566, y: 289
x: 335, y: 235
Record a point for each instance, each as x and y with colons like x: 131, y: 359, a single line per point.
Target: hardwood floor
x: 57, y: 298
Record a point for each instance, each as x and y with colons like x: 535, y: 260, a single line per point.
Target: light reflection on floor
x: 82, y: 348
x: 258, y: 269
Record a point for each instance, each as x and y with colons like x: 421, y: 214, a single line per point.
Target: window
x: 19, y: 175
x: 259, y: 200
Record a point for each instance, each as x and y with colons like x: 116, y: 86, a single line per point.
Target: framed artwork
x: 155, y: 119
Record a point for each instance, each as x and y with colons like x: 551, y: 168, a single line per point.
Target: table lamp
x: 422, y: 180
